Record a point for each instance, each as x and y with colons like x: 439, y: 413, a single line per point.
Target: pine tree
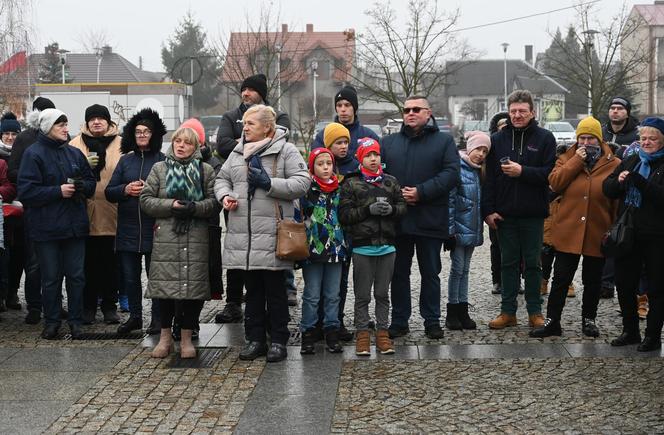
x: 190, y: 40
x: 50, y: 68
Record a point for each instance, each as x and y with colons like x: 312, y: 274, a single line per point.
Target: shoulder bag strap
x: 274, y: 173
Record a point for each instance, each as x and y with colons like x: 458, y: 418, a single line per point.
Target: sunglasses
x: 407, y: 110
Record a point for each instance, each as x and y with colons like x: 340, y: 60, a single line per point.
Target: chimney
x: 310, y: 28
x: 107, y: 49
x: 529, y: 54
x: 140, y: 62
x: 284, y: 28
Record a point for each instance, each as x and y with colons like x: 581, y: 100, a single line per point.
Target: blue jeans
x: 131, y: 267
x: 289, y: 279
x: 428, y: 259
x: 457, y: 284
x: 58, y: 259
x: 320, y: 278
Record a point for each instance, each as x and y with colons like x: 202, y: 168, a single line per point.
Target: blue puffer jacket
x: 464, y: 208
x: 428, y: 161
x: 45, y: 166
x: 357, y: 131
x: 135, y: 228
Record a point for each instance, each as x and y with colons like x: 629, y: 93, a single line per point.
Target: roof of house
x: 486, y: 77
x: 114, y: 68
x: 652, y: 14
x: 296, y: 47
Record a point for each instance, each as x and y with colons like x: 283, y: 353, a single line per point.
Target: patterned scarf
x: 372, y: 177
x: 633, y: 196
x: 183, y: 179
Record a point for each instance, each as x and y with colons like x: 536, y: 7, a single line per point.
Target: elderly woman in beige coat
x: 262, y: 177
x: 179, y: 193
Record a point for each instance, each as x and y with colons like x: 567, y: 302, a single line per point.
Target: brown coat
x: 548, y: 222
x: 584, y: 214
x: 103, y: 215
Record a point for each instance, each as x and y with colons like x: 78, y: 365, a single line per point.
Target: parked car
x: 375, y: 128
x: 564, y: 132
x: 320, y: 125
x: 392, y: 126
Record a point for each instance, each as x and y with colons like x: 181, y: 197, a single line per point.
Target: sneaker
x: 571, y: 293
x: 536, y: 320
x: 551, y: 327
x: 589, y: 328
x: 502, y: 321
x: 649, y: 344
x: 232, y: 313
x: 332, y: 341
x: 253, y: 350
x: 362, y: 343
x: 123, y: 301
x: 383, y: 343
x: 606, y: 293
x: 308, y: 343
x: 497, y: 288
x: 33, y: 317
x: 642, y: 302
x: 434, y: 332
x: 398, y: 331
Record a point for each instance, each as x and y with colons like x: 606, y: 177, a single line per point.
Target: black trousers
x: 548, y: 255
x: 563, y: 274
x: 266, y: 303
x: 628, y: 269
x: 495, y: 256
x: 100, y: 273
x: 187, y: 311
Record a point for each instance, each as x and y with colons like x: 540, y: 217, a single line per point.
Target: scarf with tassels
x: 183, y: 179
x: 633, y: 196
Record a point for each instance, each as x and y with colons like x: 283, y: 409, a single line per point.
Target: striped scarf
x: 183, y: 179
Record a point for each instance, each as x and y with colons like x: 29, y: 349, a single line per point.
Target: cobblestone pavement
x: 501, y: 396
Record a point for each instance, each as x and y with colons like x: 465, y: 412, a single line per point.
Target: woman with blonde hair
x: 179, y: 193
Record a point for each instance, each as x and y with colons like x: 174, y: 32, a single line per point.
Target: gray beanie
x: 48, y: 117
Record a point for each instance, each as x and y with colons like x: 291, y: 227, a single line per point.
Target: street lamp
x: 63, y: 62
x: 278, y: 48
x: 589, y: 36
x: 314, y: 69
x: 505, y: 45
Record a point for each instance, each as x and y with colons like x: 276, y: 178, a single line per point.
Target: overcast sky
x: 139, y: 28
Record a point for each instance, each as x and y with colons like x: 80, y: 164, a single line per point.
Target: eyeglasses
x: 142, y: 133
x: 407, y: 110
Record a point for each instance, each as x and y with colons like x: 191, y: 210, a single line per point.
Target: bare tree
x: 394, y: 61
x: 592, y: 58
x: 14, y: 47
x: 92, y: 39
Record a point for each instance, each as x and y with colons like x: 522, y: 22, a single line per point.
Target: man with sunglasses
x: 425, y: 161
x: 515, y: 202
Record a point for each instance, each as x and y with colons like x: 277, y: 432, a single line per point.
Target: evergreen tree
x: 50, y: 68
x: 190, y: 40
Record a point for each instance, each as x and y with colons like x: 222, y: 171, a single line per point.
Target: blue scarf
x: 633, y: 196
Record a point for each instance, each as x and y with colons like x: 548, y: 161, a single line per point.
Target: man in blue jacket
x: 515, y: 202
x: 426, y: 163
x: 53, y: 183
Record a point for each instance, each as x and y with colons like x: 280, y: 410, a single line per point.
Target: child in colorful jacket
x: 327, y: 251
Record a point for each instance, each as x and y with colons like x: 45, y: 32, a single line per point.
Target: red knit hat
x: 366, y: 145
x: 315, y: 153
x: 195, y: 125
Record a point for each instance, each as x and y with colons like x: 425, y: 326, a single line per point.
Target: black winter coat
x: 357, y: 131
x: 649, y: 217
x: 428, y: 161
x: 527, y: 196
x: 628, y: 134
x: 135, y: 228
x: 230, y: 129
x: 360, y: 227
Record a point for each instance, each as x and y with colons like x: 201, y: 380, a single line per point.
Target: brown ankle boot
x: 165, y: 345
x: 544, y: 288
x: 502, y: 321
x: 536, y: 320
x: 570, y: 291
x: 383, y: 342
x: 642, y: 301
x: 187, y: 349
x: 362, y: 343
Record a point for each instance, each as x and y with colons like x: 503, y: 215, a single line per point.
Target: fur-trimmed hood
x: 158, y: 131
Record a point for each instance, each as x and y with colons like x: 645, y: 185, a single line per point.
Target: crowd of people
x: 101, y: 207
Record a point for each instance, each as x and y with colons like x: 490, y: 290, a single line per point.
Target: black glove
x: 257, y: 177
x: 184, y: 212
x: 79, y: 186
x: 449, y: 244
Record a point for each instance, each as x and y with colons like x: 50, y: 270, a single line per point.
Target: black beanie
x: 42, y: 103
x: 258, y: 83
x: 347, y: 93
x: 99, y: 111
x: 623, y: 102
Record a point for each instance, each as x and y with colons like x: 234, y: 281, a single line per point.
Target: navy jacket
x: 45, y: 166
x: 135, y: 228
x: 357, y: 131
x: 428, y: 161
x: 534, y: 148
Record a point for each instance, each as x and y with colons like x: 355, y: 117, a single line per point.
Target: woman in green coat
x: 179, y: 193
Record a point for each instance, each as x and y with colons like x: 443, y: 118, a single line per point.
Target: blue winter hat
x: 8, y: 123
x: 653, y: 122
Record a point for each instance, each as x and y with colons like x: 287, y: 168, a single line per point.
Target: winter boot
x: 308, y: 342
x: 165, y: 345
x: 502, y: 321
x: 384, y: 344
x: 332, y: 341
x: 187, y: 349
x: 464, y: 318
x: 362, y: 343
x: 452, y: 319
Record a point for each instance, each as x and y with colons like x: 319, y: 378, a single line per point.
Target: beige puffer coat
x: 251, y: 237
x: 103, y: 214
x: 179, y: 264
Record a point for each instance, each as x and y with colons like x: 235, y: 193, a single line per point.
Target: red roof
x: 652, y: 14
x: 297, y: 46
